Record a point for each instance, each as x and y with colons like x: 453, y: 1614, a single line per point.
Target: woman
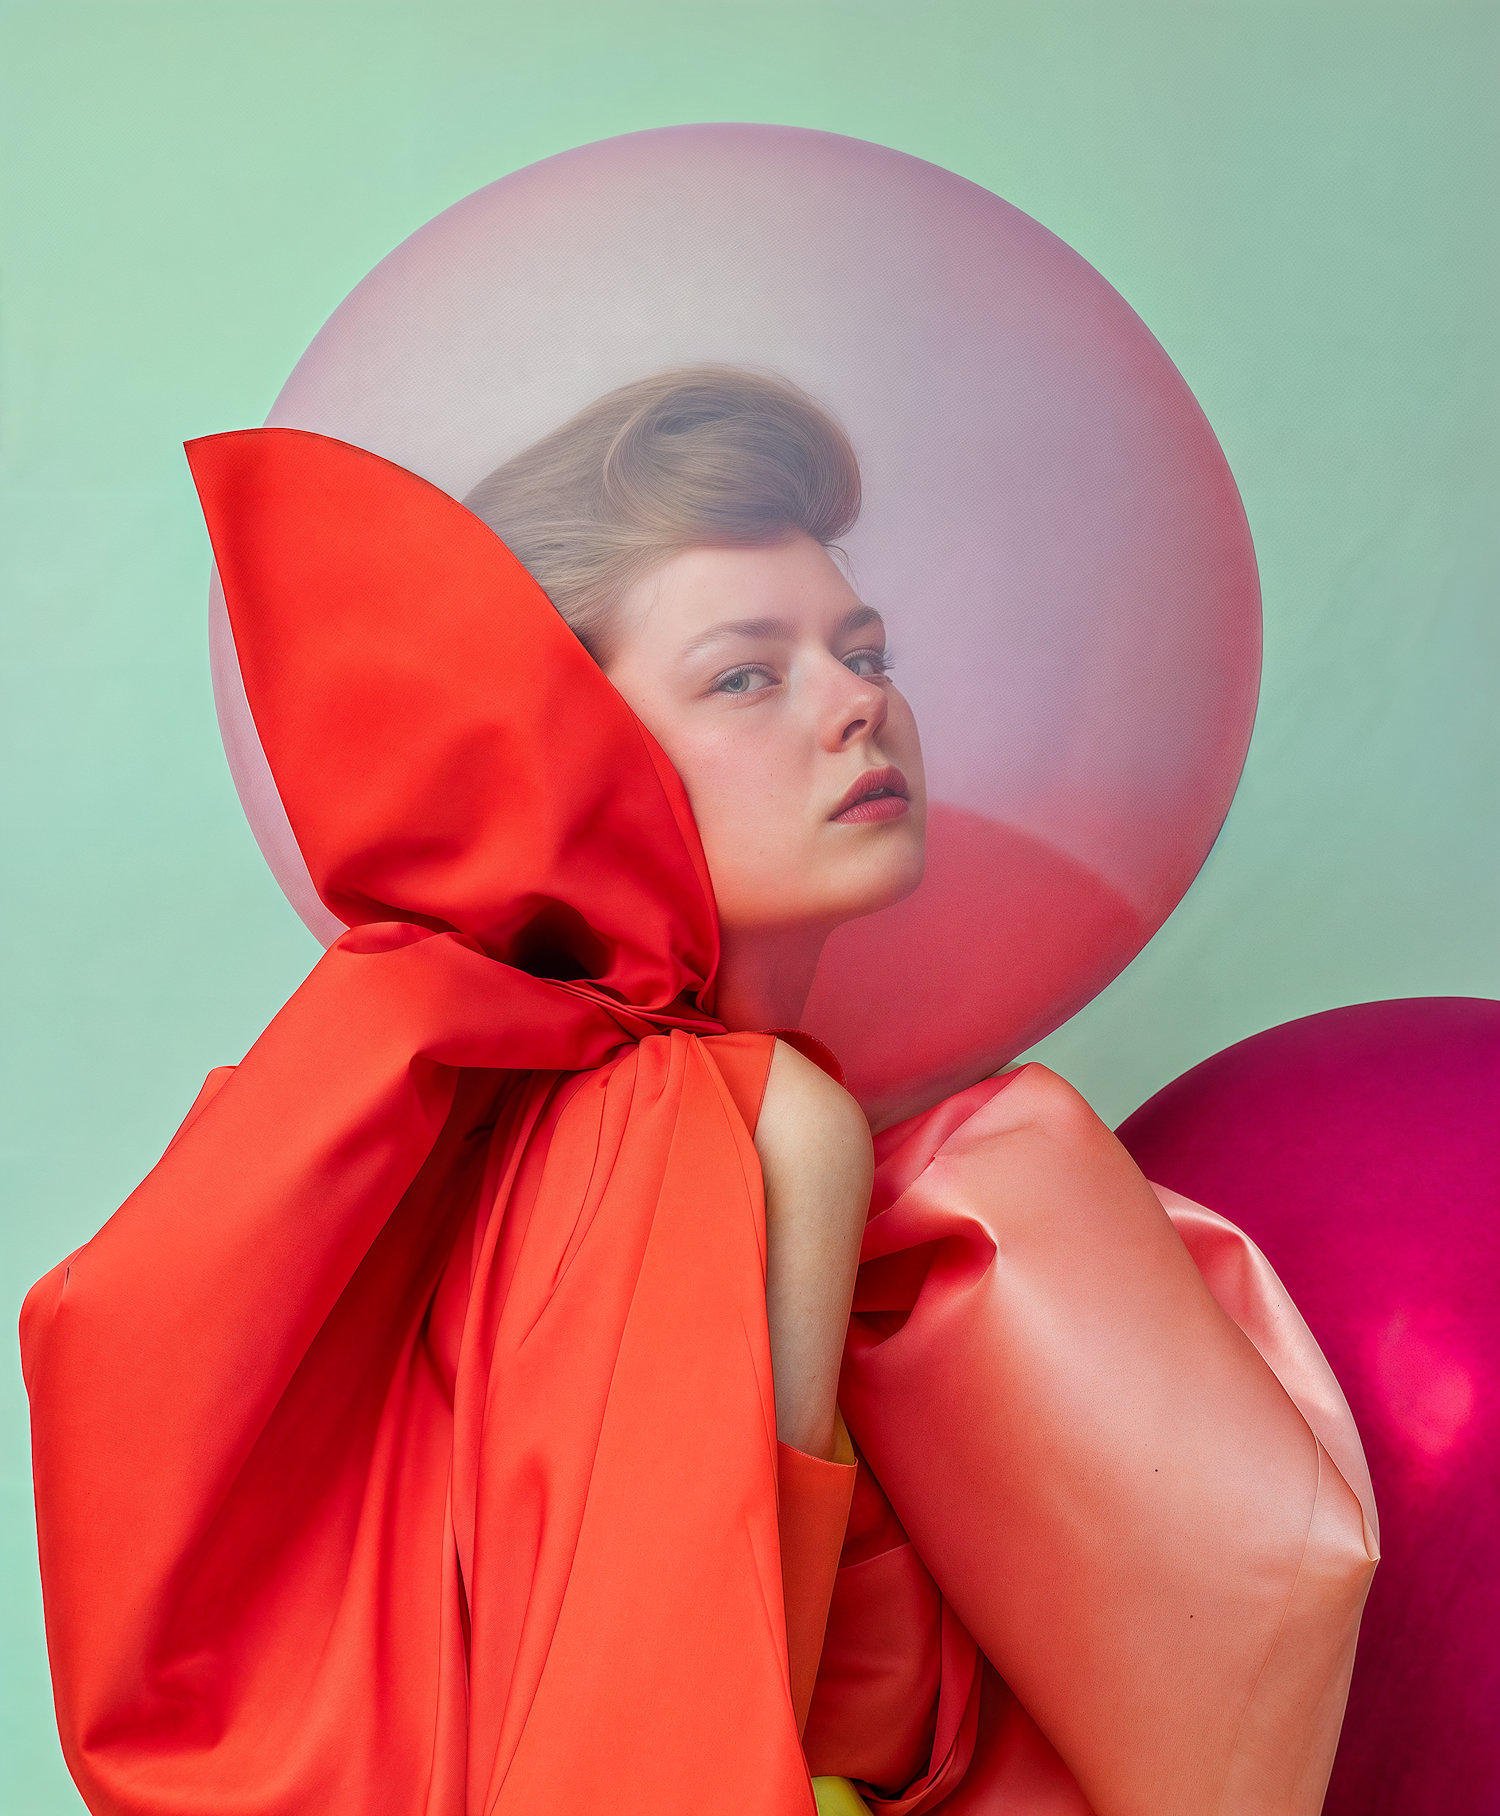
x: 448, y: 1423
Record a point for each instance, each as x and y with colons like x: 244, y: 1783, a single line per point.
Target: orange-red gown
x: 406, y: 1442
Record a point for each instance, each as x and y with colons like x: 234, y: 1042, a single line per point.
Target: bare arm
x: 815, y: 1154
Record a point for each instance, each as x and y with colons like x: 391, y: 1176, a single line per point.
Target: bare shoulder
x: 800, y: 1094
x: 806, y: 1117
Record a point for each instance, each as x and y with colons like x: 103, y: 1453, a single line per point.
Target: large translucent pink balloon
x: 1049, y: 528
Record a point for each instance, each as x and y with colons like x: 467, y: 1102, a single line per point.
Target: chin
x: 885, y: 884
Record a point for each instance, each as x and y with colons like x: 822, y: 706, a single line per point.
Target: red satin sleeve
x: 407, y: 1441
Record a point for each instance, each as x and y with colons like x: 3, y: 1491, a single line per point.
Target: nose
x: 855, y: 708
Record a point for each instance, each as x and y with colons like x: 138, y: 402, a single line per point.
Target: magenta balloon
x: 1361, y: 1150
x: 1050, y: 527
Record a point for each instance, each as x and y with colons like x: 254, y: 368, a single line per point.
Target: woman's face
x: 763, y: 677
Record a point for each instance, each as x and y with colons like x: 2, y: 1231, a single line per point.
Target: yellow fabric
x: 837, y: 1797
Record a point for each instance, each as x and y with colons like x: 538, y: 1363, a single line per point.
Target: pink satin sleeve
x: 1246, y: 1286
x: 1119, y: 1452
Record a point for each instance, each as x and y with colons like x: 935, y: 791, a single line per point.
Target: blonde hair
x: 699, y: 456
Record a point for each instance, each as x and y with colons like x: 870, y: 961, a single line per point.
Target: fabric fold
x: 396, y: 1504
x: 365, y: 1433
x: 812, y: 1505
x: 406, y: 1442
x: 1105, y: 1477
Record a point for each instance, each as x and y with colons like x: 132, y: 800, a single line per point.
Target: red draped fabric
x: 406, y: 1442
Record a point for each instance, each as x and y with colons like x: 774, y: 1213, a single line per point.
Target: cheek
x: 749, y: 797
x: 743, y: 792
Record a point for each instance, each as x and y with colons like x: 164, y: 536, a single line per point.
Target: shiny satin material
x: 407, y: 1441
x: 812, y: 1509
x: 399, y: 1505
x: 447, y: 751
x: 1115, y: 1495
x: 368, y: 1435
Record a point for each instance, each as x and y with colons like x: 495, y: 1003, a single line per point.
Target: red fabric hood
x: 446, y: 750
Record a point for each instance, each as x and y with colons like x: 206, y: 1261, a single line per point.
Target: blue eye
x: 744, y: 681
x: 868, y: 663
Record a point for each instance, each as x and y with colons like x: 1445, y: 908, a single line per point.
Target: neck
x: 765, y: 974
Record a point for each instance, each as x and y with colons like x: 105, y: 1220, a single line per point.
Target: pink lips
x: 879, y: 794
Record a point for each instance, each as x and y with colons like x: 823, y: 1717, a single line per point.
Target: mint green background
x: 1300, y: 201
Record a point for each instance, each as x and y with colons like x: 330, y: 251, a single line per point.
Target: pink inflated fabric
x: 1049, y: 527
x: 1361, y: 1150
x: 1113, y: 1527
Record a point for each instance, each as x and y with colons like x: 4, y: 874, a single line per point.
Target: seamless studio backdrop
x: 1297, y: 199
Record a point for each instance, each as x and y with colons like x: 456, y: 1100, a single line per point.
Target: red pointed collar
x: 447, y: 751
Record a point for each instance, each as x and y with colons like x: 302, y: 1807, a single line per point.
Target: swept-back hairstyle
x: 699, y: 456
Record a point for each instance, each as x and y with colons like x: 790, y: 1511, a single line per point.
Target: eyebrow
x: 764, y: 629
